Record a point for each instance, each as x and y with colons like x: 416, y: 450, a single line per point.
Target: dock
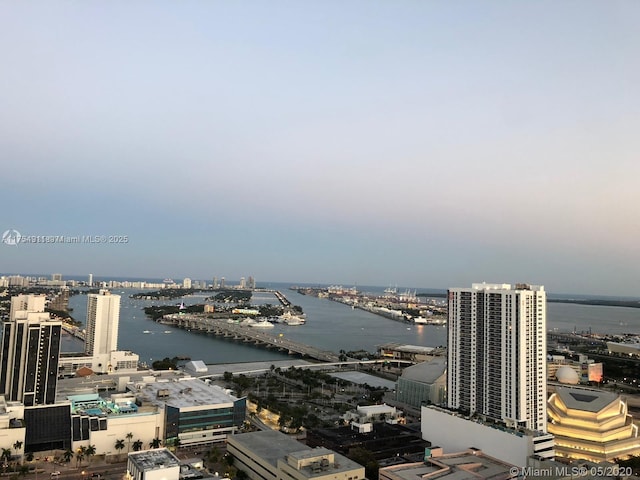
x: 281, y: 298
x: 233, y: 331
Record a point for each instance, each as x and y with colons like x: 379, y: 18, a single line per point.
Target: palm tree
x: 129, y: 438
x: 155, y: 443
x: 90, y: 451
x: 5, y: 457
x: 17, y: 446
x: 67, y: 455
x: 80, y: 453
x: 119, y: 445
x: 137, y: 445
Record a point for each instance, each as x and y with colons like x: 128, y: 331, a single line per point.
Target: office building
x: 243, y: 283
x: 271, y: 455
x: 497, y: 354
x: 90, y: 280
x: 192, y: 411
x: 30, y: 352
x: 103, y: 318
x: 186, y: 283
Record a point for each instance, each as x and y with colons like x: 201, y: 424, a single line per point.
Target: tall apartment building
x: 497, y: 353
x: 30, y: 352
x: 103, y: 318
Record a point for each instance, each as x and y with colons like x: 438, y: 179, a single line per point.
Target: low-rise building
x: 468, y: 464
x: 271, y: 455
x: 455, y: 432
x: 412, y: 353
x: 591, y: 425
x: 156, y: 464
x: 586, y: 370
x: 424, y: 383
x: 12, y: 426
x: 385, y: 442
x: 193, y: 411
x: 363, y: 418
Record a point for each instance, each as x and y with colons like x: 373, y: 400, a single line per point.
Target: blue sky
x: 420, y: 143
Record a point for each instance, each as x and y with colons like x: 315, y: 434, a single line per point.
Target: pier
x: 281, y: 298
x: 74, y: 331
x: 257, y: 336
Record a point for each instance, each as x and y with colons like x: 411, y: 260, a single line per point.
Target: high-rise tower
x: 103, y: 318
x: 30, y: 352
x: 497, y: 353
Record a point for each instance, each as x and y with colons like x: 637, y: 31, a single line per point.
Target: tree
x: 5, y: 457
x: 17, y: 446
x: 80, y: 453
x: 67, y: 455
x: 137, y: 445
x: 89, y: 452
x: 155, y: 443
x: 119, y: 445
x: 129, y: 438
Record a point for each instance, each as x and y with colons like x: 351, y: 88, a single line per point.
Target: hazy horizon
x: 364, y: 142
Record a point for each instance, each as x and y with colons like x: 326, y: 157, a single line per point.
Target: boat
x: 146, y: 331
x: 262, y: 324
x: 167, y: 331
x: 293, y: 321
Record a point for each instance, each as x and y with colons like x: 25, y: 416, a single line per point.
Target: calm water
x: 330, y: 326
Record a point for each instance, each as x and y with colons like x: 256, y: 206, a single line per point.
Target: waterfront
x: 330, y: 326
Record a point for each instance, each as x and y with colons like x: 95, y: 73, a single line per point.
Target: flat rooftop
x: 272, y: 446
x: 269, y: 445
x: 183, y: 393
x: 462, y: 466
x: 149, y: 460
x: 400, y: 347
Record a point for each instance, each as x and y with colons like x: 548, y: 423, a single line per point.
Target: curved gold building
x: 591, y: 425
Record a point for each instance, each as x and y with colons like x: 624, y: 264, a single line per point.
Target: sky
x: 417, y: 143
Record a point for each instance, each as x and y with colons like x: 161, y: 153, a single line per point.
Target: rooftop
x: 157, y: 459
x: 587, y: 400
x: 182, y: 393
x: 269, y: 445
x: 426, y: 372
x: 407, y: 348
x: 471, y: 464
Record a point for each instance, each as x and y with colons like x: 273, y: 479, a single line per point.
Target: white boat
x: 146, y: 331
x: 294, y: 321
x: 262, y: 324
x: 167, y: 331
x: 291, y: 319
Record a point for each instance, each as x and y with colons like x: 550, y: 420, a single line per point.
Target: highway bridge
x: 244, y: 333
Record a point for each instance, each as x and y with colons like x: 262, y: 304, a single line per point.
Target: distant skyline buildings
x: 496, y: 353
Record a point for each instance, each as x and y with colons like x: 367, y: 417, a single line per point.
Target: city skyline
x: 416, y: 143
